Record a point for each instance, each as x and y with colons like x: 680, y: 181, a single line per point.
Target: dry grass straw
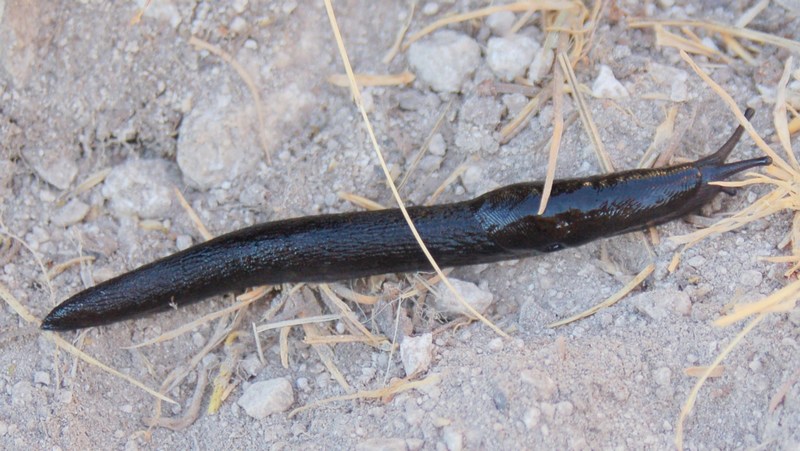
x: 251, y: 86
x: 380, y: 393
x: 426, y: 144
x: 723, y: 30
x: 784, y: 176
x: 531, y: 5
x: 364, y: 80
x: 359, y: 103
x: 26, y: 315
x: 611, y: 300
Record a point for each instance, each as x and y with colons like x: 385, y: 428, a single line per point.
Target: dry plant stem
x: 776, y: 160
x: 251, y: 86
x: 751, y: 13
x: 401, y: 34
x: 361, y: 201
x: 359, y: 103
x: 585, y: 114
x: 689, y: 405
x: 193, y: 216
x: 192, y: 410
x: 610, y: 301
x: 779, y: 113
x: 558, y: 130
x: 783, y: 390
x: 391, y: 390
x: 424, y: 148
x: 724, y: 29
x: 531, y: 5
x: 363, y: 80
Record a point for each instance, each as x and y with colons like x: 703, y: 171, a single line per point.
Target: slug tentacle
x: 499, y: 225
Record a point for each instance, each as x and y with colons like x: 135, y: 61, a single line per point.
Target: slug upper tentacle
x: 501, y: 224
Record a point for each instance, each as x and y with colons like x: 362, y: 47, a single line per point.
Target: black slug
x: 499, y: 225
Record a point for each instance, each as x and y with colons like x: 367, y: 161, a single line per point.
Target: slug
x: 499, y: 225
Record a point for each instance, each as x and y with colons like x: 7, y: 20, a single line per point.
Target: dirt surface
x: 84, y: 90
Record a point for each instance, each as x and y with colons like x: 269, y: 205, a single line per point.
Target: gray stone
x: 71, y: 213
x: 606, y: 86
x: 139, y: 188
x: 264, y: 398
x: 416, y: 353
x: 446, y: 301
x: 445, y: 60
x: 218, y: 143
x: 509, y: 57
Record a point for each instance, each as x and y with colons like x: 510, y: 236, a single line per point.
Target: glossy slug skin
x: 499, y: 225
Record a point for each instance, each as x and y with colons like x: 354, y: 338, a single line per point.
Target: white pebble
x: 41, y: 378
x: 696, y: 261
x: 606, y: 86
x: 140, y: 188
x: 662, y: 376
x: 509, y: 57
x: 55, y: 166
x: 544, y: 388
x: 21, y: 393
x: 501, y: 22
x: 238, y: 25
x: 472, y: 178
x: 71, y: 213
x: 218, y: 143
x: 532, y: 417
x: 453, y: 438
x: 430, y: 8
x: 416, y: 353
x: 751, y: 278
x: 183, y: 242
x: 445, y: 60
x: 437, y: 145
x: 446, y: 301
x: 382, y: 444
x: 264, y: 398
x: 540, y: 67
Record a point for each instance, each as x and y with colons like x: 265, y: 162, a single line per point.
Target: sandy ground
x: 84, y: 90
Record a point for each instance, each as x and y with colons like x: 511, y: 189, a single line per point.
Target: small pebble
x: 71, y: 213
x: 657, y: 304
x: 751, y: 278
x: 139, y: 188
x: 662, y: 376
x: 238, y: 25
x: 606, y: 86
x: 55, y: 166
x: 544, y: 387
x: 453, y: 438
x: 183, y: 242
x: 496, y: 344
x: 264, y: 398
x: 445, y: 60
x: 501, y: 22
x: 509, y: 57
x: 696, y: 261
x: 382, y: 444
x: 479, y: 299
x: 416, y: 353
x: 218, y: 143
x: 437, y: 145
x: 21, y: 393
x: 472, y: 178
x: 430, y: 8
x: 540, y: 67
x: 532, y: 417
x: 41, y: 378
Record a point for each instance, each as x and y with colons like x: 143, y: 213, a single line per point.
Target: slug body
x: 499, y: 225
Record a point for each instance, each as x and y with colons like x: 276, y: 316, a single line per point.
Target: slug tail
x: 719, y: 157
